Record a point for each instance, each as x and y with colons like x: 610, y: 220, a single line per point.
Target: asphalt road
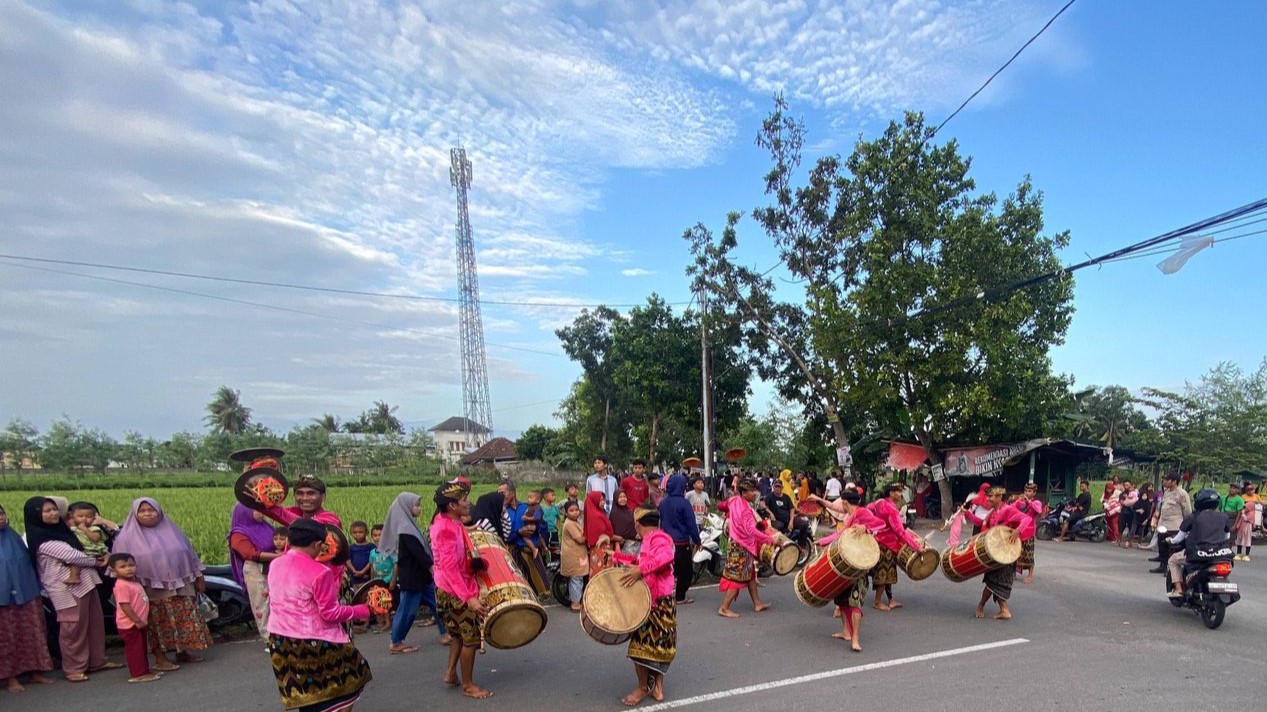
x: 1093, y: 632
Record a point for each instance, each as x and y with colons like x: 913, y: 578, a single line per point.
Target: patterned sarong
x: 1027, y: 555
x: 1000, y: 581
x: 176, y: 624
x: 459, y: 620
x: 884, y: 573
x: 654, y: 645
x: 317, y: 675
x: 854, y: 596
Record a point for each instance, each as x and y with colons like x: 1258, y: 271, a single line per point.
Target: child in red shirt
x: 131, y: 615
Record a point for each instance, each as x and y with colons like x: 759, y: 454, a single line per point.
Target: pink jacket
x: 743, y: 526
x: 1008, y: 516
x: 655, y: 561
x: 452, y: 561
x: 894, y: 534
x: 303, y: 600
x: 861, y: 517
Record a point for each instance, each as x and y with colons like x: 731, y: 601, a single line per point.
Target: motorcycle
x: 1206, y: 589
x: 709, y: 557
x: 1092, y: 527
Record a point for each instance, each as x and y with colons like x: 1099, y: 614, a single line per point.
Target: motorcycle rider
x: 783, y: 515
x: 1175, y: 506
x: 1081, y: 507
x: 1207, y: 527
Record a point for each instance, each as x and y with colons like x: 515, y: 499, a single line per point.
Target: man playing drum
x: 850, y: 601
x: 746, y: 541
x: 653, y: 646
x: 998, y: 583
x: 457, y: 593
x: 890, y: 539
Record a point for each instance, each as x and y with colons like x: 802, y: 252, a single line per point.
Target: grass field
x: 204, y: 512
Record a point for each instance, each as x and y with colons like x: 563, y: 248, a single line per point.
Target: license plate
x: 1223, y: 588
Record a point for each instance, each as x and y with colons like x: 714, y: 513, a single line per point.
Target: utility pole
x: 475, y: 399
x: 707, y: 377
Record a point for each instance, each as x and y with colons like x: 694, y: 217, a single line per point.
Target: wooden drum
x: 781, y: 556
x: 515, y: 617
x: 918, y: 564
x: 848, y: 559
x: 987, y: 551
x: 610, y: 612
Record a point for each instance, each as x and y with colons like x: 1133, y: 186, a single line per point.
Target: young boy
x: 88, y: 527
x: 359, y: 567
x: 572, y: 491
x: 698, y: 499
x: 384, y: 568
x: 281, y: 539
x: 131, y: 615
x: 551, y: 514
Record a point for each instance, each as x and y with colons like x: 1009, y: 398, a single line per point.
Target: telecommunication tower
x: 471, y: 325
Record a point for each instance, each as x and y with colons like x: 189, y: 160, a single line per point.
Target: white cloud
x: 637, y: 272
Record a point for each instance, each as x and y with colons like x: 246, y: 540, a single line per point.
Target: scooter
x: 1206, y: 589
x: 1092, y: 527
x: 709, y: 557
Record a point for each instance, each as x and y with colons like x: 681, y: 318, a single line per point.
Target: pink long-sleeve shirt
x: 452, y: 564
x: 303, y: 600
x: 287, y: 515
x: 1008, y: 516
x: 1032, y: 508
x: 861, y: 517
x: 655, y: 561
x: 895, y: 533
x: 743, y: 526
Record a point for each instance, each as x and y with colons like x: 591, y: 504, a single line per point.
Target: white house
x: 451, y: 438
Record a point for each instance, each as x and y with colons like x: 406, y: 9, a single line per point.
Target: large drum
x: 781, y: 555
x: 611, y: 612
x: 848, y: 559
x: 918, y: 564
x: 515, y: 617
x: 991, y: 549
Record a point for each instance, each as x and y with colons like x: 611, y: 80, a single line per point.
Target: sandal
x: 402, y: 650
x: 107, y: 666
x: 77, y: 677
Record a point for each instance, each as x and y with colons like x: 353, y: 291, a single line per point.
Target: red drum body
x: 515, y: 617
x: 991, y: 549
x: 848, y: 559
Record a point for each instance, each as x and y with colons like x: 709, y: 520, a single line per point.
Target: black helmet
x: 1206, y: 499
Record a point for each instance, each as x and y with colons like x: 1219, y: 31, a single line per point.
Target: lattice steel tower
x: 471, y: 325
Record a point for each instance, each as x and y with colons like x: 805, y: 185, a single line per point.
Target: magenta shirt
x: 895, y: 533
x: 453, y: 569
x: 303, y: 600
x: 655, y: 561
x: 1008, y: 516
x: 743, y: 526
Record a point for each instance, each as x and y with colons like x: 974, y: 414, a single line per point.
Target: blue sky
x: 307, y: 142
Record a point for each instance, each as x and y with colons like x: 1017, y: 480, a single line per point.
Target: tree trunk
x: 655, y: 431
x: 607, y: 408
x: 948, y: 504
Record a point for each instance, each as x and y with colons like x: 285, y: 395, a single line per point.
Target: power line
x: 308, y: 287
x: 272, y: 307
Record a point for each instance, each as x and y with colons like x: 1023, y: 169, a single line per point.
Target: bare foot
x: 475, y: 691
x: 14, y: 686
x: 894, y: 605
x: 446, y: 639
x: 835, y: 613
x: 880, y: 607
x: 657, y: 692
x: 452, y: 680
x: 39, y: 678
x: 760, y: 607
x: 980, y: 613
x: 634, y: 697
x: 853, y: 645
x: 727, y: 613
x: 1002, y: 616
x: 1029, y: 579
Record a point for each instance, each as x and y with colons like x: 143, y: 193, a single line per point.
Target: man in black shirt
x: 1206, y: 529
x: 779, y: 504
x: 1081, y: 508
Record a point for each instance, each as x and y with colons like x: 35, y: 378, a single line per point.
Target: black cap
x: 251, y: 454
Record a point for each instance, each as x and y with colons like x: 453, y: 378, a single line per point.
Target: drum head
x: 923, y: 564
x: 514, y: 625
x: 786, y: 558
x: 1003, y: 545
x: 857, y: 548
x: 613, y: 607
x: 261, y: 487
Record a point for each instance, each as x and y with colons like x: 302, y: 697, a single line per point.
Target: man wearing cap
x: 1175, y: 506
x: 890, y: 539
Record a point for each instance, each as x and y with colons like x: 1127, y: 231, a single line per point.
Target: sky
x: 308, y: 143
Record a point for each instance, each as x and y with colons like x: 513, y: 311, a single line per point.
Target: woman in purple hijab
x: 250, y: 550
x: 172, y: 575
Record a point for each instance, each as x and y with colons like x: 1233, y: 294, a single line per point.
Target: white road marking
x: 775, y: 684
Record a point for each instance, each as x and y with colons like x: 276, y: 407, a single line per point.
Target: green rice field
x: 204, y: 512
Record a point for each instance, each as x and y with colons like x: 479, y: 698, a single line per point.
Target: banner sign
x: 986, y: 461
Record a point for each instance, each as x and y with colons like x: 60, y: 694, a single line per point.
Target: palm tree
x: 226, y: 414
x: 382, y: 419
x: 328, y: 423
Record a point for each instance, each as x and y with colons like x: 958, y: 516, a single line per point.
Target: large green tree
x: 18, y: 441
x: 226, y: 413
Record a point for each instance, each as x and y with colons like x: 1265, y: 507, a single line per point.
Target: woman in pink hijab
x: 172, y: 575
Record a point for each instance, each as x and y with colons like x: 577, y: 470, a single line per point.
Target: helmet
x: 1206, y: 499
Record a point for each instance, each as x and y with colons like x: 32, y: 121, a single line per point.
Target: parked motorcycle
x: 1092, y: 527
x: 1206, y: 589
x: 710, y: 557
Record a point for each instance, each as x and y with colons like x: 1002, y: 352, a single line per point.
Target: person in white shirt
x: 833, y: 488
x: 600, y: 481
